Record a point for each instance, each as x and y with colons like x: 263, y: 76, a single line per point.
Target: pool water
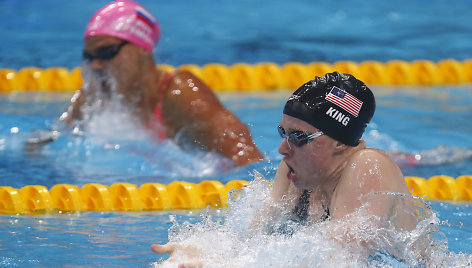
x: 113, y: 238
x: 407, y: 120
x: 249, y: 31
x: 433, y: 121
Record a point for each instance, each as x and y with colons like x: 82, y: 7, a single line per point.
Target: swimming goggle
x: 103, y: 53
x: 298, y: 137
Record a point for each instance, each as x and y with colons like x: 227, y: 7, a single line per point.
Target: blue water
x: 116, y: 239
x: 407, y: 119
x: 49, y: 33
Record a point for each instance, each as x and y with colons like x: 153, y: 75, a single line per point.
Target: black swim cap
x: 337, y: 104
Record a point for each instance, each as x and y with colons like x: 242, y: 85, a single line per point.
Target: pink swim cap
x: 127, y: 20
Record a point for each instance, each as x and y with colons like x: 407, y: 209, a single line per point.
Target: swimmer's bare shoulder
x: 190, y: 104
x: 188, y: 99
x: 377, y: 169
x: 367, y: 171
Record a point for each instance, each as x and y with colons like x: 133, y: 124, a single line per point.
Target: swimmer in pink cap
x: 118, y: 61
x: 126, y: 20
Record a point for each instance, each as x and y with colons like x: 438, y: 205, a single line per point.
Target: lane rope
x: 178, y: 195
x: 264, y: 75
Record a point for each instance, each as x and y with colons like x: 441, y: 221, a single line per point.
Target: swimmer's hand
x: 191, y: 253
x: 40, y: 138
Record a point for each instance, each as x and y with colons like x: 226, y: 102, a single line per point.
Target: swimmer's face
x: 308, y: 164
x: 113, y: 65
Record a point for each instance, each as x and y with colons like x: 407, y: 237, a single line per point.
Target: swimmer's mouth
x: 105, y: 85
x: 291, y: 175
x: 103, y: 81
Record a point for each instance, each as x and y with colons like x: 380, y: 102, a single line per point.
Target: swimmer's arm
x: 40, y: 138
x: 72, y: 111
x: 361, y: 204
x: 373, y: 183
x: 191, y: 105
x: 352, y: 205
x: 369, y: 172
x: 281, y: 186
x: 281, y: 191
x: 194, y: 256
x: 224, y: 133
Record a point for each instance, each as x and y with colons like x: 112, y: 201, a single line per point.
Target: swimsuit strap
x: 299, y: 217
x: 326, y: 214
x: 162, y: 88
x: 160, y: 96
x: 301, y: 209
x: 158, y: 121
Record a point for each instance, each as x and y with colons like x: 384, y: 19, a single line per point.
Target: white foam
x: 233, y: 243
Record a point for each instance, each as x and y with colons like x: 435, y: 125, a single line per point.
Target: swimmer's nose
x: 96, y: 64
x: 285, y: 148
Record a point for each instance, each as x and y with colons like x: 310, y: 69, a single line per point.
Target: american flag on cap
x: 344, y: 100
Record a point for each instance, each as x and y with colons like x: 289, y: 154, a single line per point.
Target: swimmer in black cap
x: 325, y: 156
x: 327, y: 170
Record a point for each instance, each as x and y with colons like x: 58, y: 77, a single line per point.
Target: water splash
x: 105, y: 113
x: 436, y: 156
x: 110, y: 139
x: 367, y: 241
x: 407, y: 157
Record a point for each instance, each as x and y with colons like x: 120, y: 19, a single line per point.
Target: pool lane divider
x: 264, y: 75
x: 179, y: 195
